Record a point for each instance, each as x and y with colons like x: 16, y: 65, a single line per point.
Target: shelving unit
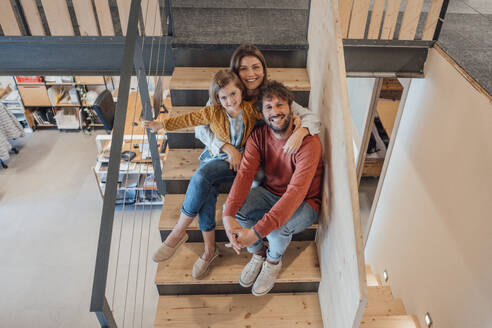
x: 136, y: 177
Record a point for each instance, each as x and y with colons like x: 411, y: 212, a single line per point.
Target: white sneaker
x: 266, y: 279
x: 251, y: 270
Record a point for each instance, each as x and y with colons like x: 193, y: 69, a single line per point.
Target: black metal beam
x: 385, y: 57
x: 75, y: 55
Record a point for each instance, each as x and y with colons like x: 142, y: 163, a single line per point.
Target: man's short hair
x: 274, y: 88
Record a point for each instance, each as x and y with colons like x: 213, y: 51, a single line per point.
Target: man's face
x: 277, y: 114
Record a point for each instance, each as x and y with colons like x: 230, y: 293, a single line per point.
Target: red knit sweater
x: 295, y: 177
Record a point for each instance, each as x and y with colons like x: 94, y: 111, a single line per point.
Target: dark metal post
x: 440, y: 21
x: 98, y: 300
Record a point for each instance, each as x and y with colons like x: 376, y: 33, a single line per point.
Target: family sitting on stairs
x: 287, y: 151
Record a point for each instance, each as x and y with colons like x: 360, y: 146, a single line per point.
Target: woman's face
x: 230, y: 98
x: 251, y: 72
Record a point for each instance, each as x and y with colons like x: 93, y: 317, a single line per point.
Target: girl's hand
x: 295, y: 140
x: 234, y: 155
x: 155, y: 126
x: 296, y: 122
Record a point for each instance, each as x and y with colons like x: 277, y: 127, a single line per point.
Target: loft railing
x: 133, y: 61
x: 384, y: 20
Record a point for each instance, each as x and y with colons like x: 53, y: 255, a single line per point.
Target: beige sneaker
x: 201, y: 267
x: 251, y: 270
x: 266, y: 279
x: 166, y: 252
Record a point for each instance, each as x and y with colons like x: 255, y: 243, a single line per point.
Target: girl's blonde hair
x: 221, y: 79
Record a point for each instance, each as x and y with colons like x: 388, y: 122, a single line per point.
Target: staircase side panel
x: 343, y: 289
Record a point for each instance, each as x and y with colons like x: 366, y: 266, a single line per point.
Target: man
x: 289, y: 198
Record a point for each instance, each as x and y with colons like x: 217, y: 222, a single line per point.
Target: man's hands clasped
x: 239, y: 237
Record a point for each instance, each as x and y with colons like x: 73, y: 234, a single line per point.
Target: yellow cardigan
x: 216, y: 118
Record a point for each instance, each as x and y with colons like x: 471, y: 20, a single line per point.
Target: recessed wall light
x: 385, y: 275
x: 428, y: 320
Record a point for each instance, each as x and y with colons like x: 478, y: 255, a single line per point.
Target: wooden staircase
x: 218, y: 300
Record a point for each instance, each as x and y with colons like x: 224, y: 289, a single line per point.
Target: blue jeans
x: 258, y: 203
x: 201, y: 195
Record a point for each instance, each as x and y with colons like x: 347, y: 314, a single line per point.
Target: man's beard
x: 284, y: 126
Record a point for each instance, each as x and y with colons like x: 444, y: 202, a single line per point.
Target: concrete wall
x: 343, y: 290
x: 432, y: 228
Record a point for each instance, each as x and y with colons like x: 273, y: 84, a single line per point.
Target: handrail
x: 99, y: 303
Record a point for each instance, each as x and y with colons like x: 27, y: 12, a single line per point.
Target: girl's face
x: 230, y: 98
x: 251, y: 72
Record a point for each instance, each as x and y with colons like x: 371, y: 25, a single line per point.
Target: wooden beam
x: 8, y: 21
x: 345, y: 10
x: 390, y: 19
x: 104, y: 17
x: 432, y: 18
x: 58, y: 17
x: 376, y: 18
x: 33, y: 18
x: 358, y: 19
x: 152, y: 19
x: 85, y: 17
x: 410, y: 19
x: 343, y: 289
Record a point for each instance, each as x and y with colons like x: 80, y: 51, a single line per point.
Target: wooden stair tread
x: 180, y: 164
x: 393, y: 321
x: 381, y: 293
x: 385, y: 307
x: 172, y: 209
x: 372, y: 279
x: 225, y: 311
x: 300, y: 264
x: 198, y: 78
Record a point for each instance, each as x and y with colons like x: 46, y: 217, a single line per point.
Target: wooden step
x: 372, y: 279
x: 226, y: 311
x: 198, y: 78
x: 189, y: 85
x: 172, y: 209
x: 385, y: 307
x: 379, y: 293
x: 394, y: 321
x: 300, y: 271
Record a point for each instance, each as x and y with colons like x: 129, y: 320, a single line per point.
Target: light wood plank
x: 376, y: 18
x: 198, y: 78
x: 85, y: 17
x: 339, y: 236
x: 387, y: 110
x: 226, y: 311
x: 358, y: 19
x: 58, y: 17
x: 8, y: 21
x: 172, y: 209
x: 390, y: 19
x: 379, y: 293
x: 372, y: 279
x: 431, y: 20
x: 299, y: 264
x: 104, y: 17
x: 181, y: 164
x: 33, y: 17
x: 124, y: 11
x: 345, y: 10
x: 394, y: 321
x: 410, y: 19
x: 152, y: 17
x: 386, y: 307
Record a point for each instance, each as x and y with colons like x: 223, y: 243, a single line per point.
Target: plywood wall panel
x: 376, y: 18
x: 345, y: 11
x: 104, y: 17
x: 152, y: 19
x: 33, y: 17
x: 8, y: 21
x: 124, y: 11
x: 390, y: 19
x: 432, y: 18
x: 58, y: 17
x: 410, y: 19
x: 85, y: 17
x: 343, y: 290
x: 358, y: 19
